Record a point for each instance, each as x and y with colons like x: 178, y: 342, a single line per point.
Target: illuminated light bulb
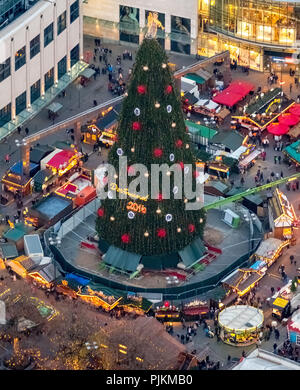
x: 146, y: 234
x: 200, y: 220
x: 198, y: 199
x: 157, y: 105
x: 168, y: 173
x: 158, y: 211
x: 187, y: 146
x: 145, y: 68
x: 126, y: 93
x: 132, y: 150
x: 173, y: 124
x: 115, y: 176
x: 178, y: 230
x: 185, y: 200
x: 146, y: 174
x: 112, y: 218
x: 163, y: 65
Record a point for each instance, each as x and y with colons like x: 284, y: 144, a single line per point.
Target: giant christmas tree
x: 151, y: 131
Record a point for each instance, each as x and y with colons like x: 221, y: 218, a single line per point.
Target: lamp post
x: 251, y: 217
x: 56, y: 241
x: 79, y: 86
x: 18, y: 145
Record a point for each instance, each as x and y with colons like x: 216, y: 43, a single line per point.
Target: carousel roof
x: 241, y: 317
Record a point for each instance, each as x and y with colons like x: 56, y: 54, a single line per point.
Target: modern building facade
x: 41, y: 47
x: 261, y: 34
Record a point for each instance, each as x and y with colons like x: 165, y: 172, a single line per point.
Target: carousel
x: 240, y: 325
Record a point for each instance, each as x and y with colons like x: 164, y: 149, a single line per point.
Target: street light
x: 19, y: 144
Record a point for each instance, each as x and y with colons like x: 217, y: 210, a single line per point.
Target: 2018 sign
x: 136, y: 207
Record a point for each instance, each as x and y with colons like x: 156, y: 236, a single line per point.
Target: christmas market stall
x: 70, y: 284
x: 43, y: 180
x: 14, y: 181
x: 79, y: 189
x: 62, y: 162
x: 104, y: 128
x: 100, y: 296
x: 16, y: 233
x: 270, y: 249
x: 194, y: 310
x: 293, y: 152
x: 234, y: 93
x: 293, y: 328
x: 21, y: 265
x: 242, y: 280
x: 168, y: 313
x: 45, y: 276
x: 281, y: 307
x: 240, y: 325
x: 200, y: 135
x: 49, y: 210
x: 263, y: 109
x: 133, y: 303
x: 282, y: 216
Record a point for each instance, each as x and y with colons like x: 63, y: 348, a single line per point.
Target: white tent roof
x: 45, y: 160
x: 241, y: 317
x: 263, y: 360
x: 268, y: 247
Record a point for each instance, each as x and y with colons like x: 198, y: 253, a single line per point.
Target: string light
x: 146, y: 174
x: 163, y: 65
x: 178, y: 230
x: 200, y: 220
x: 187, y: 146
x: 145, y: 68
x: 173, y: 124
x: 115, y: 176
x: 157, y: 105
x: 112, y: 218
x: 168, y: 173
x: 185, y: 200
x: 146, y: 234
x: 132, y: 150
x: 158, y: 211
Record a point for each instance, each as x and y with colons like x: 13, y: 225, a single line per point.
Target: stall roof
x: 256, y: 199
x: 46, y: 159
x: 49, y: 272
x: 241, y: 317
x: 8, y: 251
x: 193, y: 252
x: 231, y: 139
x: 200, y: 130
x: 55, y: 107
x: 294, y: 131
x: 41, y: 175
x: 17, y: 232
x: 121, y: 259
x: 191, y: 98
x: 39, y: 152
x: 268, y: 247
x: 222, y: 187
x: 110, y: 118
x: 17, y: 167
x: 196, y: 77
x: 264, y: 360
x: 294, y: 324
x: 79, y: 279
x: 252, y: 156
x: 186, y: 87
x: 88, y: 73
x: 227, y: 98
x: 261, y: 102
x: 280, y: 206
x: 293, y: 151
x: 60, y: 158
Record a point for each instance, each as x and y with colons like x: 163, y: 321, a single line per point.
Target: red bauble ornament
x: 161, y: 232
x: 169, y: 89
x: 125, y: 238
x: 159, y: 197
x: 142, y: 89
x: 179, y: 143
x: 158, y: 152
x: 136, y: 126
x: 191, y: 228
x: 101, y: 212
x: 131, y: 170
x: 181, y: 164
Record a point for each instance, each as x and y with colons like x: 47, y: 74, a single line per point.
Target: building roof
x: 60, y: 159
x: 17, y: 232
x: 8, y: 251
x: 118, y: 258
x: 268, y: 247
x: 264, y: 360
x: 241, y: 317
x: 193, y: 252
x: 256, y: 199
x: 231, y: 139
x: 262, y: 101
x: 49, y: 272
x: 41, y: 175
x: 195, y: 77
x: 241, y: 279
x: 110, y: 118
x: 18, y: 166
x: 39, y: 152
x: 280, y: 206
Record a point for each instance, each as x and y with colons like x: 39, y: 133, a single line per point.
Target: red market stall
x: 240, y: 87
x: 278, y: 128
x: 227, y: 98
x: 295, y: 109
x: 62, y: 162
x: 288, y: 119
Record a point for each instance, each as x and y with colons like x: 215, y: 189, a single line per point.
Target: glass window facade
x: 35, y: 91
x: 263, y: 21
x: 5, y: 114
x: 5, y: 70
x: 62, y: 67
x: 74, y: 11
x: 49, y: 79
x: 48, y: 35
x: 35, y: 46
x: 74, y: 55
x: 61, y: 23
x: 21, y: 103
x: 20, y: 58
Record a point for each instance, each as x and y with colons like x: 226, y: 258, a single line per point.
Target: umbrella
x: 295, y: 109
x: 289, y: 119
x: 278, y: 128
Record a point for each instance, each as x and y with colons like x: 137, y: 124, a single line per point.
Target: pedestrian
x: 275, y: 159
x: 242, y: 181
x: 7, y: 158
x: 291, y: 87
x: 272, y: 290
x: 277, y: 334
x: 275, y: 347
x: 281, y: 174
x: 279, y: 159
x: 95, y: 103
x: 19, y: 129
x: 291, y: 259
x: 277, y: 175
